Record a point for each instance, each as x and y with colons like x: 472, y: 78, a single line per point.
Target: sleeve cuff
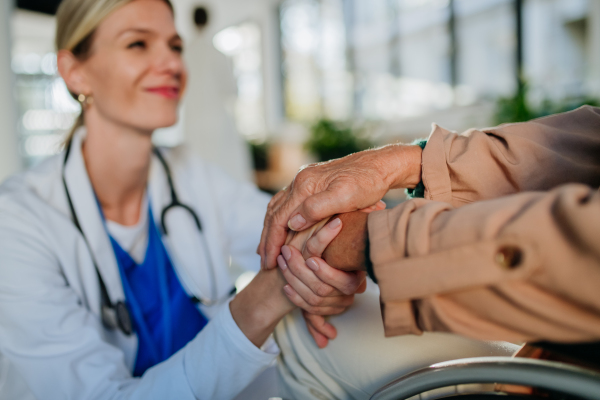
x: 435, y: 174
x: 419, y: 190
x: 399, y: 318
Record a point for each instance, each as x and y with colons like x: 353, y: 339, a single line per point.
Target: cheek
x: 115, y: 83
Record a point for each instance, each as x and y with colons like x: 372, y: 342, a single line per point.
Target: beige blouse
x: 506, y: 243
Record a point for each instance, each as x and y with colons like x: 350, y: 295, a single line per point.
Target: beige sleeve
x: 537, y: 155
x: 519, y: 268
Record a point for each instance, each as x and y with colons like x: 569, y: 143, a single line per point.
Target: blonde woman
x: 114, y: 255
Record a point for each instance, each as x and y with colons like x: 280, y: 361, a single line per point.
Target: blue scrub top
x: 164, y: 317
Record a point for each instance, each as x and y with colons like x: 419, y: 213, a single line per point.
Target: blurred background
x: 275, y: 84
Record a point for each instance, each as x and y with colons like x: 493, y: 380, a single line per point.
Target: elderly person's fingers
x: 319, y: 329
x: 270, y: 217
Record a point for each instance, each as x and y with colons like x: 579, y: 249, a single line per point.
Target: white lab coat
x: 52, y: 341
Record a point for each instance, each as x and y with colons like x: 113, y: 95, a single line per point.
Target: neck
x: 117, y: 159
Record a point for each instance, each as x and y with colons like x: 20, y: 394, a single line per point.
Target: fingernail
x: 383, y: 203
x: 312, y: 264
x: 287, y: 253
x: 281, y: 262
x: 288, y: 290
x: 334, y: 224
x: 297, y: 222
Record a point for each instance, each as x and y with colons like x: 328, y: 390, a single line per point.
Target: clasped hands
x: 324, y: 268
x: 324, y: 264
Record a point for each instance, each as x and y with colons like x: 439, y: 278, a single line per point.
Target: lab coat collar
x: 85, y: 205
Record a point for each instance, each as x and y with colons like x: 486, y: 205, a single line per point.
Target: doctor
x: 114, y: 255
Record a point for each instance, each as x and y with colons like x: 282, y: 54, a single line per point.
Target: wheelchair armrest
x: 549, y: 375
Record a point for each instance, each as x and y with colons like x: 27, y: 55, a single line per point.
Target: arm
x: 47, y: 331
x: 520, y: 268
x: 459, y: 169
x: 537, y: 155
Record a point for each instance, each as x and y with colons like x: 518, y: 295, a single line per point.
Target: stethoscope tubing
x: 118, y: 315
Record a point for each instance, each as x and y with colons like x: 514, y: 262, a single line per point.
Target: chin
x: 156, y: 121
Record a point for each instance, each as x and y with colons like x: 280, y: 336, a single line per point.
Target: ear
x: 71, y: 70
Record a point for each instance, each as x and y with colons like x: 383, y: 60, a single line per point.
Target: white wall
x: 9, y: 154
x: 225, y: 13
x: 208, y: 118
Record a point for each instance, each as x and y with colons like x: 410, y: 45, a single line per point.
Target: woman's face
x: 135, y: 73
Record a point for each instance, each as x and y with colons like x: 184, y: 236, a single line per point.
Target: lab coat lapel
x: 187, y: 250
x: 86, y: 207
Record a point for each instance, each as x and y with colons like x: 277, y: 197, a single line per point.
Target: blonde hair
x: 76, y: 23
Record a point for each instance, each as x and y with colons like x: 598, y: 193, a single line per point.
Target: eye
x: 178, y: 48
x: 137, y: 44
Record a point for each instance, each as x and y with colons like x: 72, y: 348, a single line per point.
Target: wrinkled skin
x: 347, y: 252
x: 348, y: 184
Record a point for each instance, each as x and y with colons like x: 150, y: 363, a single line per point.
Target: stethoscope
x: 117, y: 315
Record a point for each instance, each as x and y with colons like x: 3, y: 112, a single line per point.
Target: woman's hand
x: 347, y: 184
x: 319, y: 290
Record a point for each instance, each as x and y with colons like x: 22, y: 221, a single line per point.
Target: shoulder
x: 38, y: 183
x: 31, y: 194
x: 584, y: 118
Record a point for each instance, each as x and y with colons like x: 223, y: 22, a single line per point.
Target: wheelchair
x: 550, y: 380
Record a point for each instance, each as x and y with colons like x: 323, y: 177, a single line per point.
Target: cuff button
x: 509, y: 257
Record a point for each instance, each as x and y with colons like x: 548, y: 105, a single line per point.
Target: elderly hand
x: 319, y: 191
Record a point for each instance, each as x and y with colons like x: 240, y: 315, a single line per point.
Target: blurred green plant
x: 514, y: 108
x: 517, y: 109
x: 329, y: 140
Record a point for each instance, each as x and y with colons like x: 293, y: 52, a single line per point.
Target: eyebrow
x: 146, y: 31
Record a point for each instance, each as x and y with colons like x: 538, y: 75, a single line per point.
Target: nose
x: 169, y: 62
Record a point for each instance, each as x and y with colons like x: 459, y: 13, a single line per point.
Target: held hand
x: 347, y: 251
x: 352, y: 183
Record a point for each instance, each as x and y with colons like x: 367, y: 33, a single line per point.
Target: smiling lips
x: 170, y: 92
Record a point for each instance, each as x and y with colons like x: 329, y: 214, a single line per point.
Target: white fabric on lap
x: 361, y: 360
